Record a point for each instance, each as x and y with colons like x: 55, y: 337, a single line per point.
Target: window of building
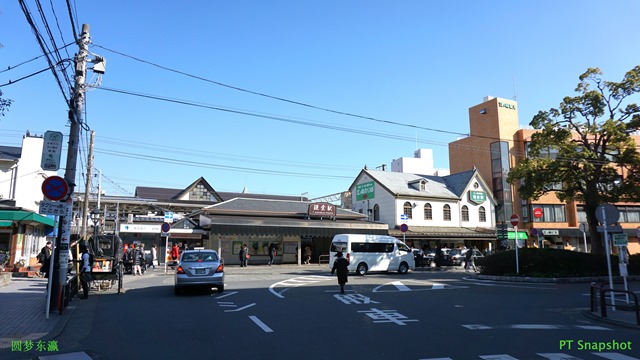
x: 629, y: 214
x: 465, y: 213
x: 552, y: 213
x: 446, y: 213
x: 408, y: 209
x: 376, y: 212
x: 201, y: 193
x: 428, y: 212
x: 482, y: 214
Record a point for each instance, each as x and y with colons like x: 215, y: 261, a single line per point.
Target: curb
x: 624, y: 324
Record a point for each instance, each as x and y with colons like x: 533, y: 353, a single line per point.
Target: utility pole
x: 87, y: 189
x: 61, y: 259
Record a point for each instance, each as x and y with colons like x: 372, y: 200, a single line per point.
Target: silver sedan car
x: 199, y: 268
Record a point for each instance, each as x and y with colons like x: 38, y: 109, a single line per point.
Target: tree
x: 4, y: 105
x: 585, y: 147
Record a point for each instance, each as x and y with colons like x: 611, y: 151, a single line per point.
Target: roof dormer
x: 418, y: 184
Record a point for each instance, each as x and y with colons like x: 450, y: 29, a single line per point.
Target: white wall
x: 30, y: 175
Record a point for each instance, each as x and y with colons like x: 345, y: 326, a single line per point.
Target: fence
x: 598, y: 294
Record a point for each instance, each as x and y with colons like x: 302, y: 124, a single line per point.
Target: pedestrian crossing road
x: 550, y: 356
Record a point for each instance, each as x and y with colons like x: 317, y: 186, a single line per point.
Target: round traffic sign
x: 515, y: 219
x: 534, y: 232
x: 607, y: 212
x: 55, y: 188
x: 165, y: 227
x: 537, y: 212
x: 404, y: 227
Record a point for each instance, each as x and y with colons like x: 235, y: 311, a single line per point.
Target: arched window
x: 482, y: 214
x: 376, y: 212
x: 465, y: 213
x: 446, y: 213
x: 408, y: 209
x: 428, y: 212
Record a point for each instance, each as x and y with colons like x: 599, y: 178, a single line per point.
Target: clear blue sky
x: 421, y: 63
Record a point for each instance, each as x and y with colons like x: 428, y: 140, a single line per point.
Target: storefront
x: 447, y: 237
x: 287, y: 224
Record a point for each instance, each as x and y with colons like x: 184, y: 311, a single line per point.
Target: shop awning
x: 439, y: 232
x: 246, y: 225
x: 24, y: 217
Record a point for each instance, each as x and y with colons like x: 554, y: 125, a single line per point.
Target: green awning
x: 6, y: 223
x: 24, y: 217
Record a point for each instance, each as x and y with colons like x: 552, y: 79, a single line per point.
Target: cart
x: 107, y: 267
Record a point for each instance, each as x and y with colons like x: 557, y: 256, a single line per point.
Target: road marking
x: 225, y: 295
x: 262, y: 325
x: 557, y: 356
x: 357, y: 299
x: 242, y: 308
x: 542, y: 286
x: 535, y: 327
x: 295, y: 282
x: 497, y: 357
x: 400, y: 286
x: 614, y: 356
x: 227, y: 303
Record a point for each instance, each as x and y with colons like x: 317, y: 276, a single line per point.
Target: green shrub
x: 548, y: 263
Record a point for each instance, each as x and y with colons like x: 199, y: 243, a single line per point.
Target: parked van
x: 372, y: 253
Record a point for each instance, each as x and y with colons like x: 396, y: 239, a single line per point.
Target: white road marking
x: 400, y: 286
x: 497, y: 357
x: 295, y: 282
x: 534, y: 327
x: 558, y: 356
x: 614, y: 356
x: 225, y: 295
x: 242, y: 308
x: 262, y: 325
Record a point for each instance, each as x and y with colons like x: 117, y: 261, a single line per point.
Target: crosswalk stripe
x: 497, y: 357
x: 614, y: 356
x: 558, y: 356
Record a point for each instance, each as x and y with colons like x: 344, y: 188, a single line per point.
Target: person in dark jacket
x: 244, y: 251
x: 272, y: 252
x: 341, y: 267
x: 45, y: 259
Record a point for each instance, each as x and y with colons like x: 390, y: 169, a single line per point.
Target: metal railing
x: 69, y: 292
x: 598, y: 297
x: 323, y: 259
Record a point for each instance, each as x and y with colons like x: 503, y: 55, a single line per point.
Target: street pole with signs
x: 515, y: 220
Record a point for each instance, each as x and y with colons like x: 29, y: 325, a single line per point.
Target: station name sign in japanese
x: 506, y: 105
x: 477, y: 197
x: 322, y: 209
x: 365, y: 191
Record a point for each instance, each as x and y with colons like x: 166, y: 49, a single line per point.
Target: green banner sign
x: 365, y: 191
x: 477, y: 197
x: 522, y: 235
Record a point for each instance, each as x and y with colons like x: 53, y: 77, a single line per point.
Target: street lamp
x: 95, y: 217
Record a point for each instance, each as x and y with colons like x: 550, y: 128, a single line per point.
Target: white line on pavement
x: 262, y: 325
x: 242, y: 308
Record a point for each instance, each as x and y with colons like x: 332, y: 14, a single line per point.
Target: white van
x: 372, y: 253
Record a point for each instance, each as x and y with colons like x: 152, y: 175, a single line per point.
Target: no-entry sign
x: 537, y: 212
x: 515, y: 219
x: 55, y: 188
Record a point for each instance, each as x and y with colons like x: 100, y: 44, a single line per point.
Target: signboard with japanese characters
x: 51, y: 150
x: 477, y: 197
x: 365, y: 191
x: 322, y: 210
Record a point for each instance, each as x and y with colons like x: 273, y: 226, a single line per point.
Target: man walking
x: 85, y: 275
x: 44, y: 258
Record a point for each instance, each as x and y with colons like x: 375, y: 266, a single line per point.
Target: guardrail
x: 323, y: 259
x: 69, y: 291
x: 598, y: 297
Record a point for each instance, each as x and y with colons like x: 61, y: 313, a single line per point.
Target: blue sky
x: 405, y: 64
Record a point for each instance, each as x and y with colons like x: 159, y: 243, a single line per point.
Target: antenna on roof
x: 515, y: 96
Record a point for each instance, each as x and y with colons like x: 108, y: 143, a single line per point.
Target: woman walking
x: 341, y: 267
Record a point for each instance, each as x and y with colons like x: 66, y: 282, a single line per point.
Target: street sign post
x: 51, y: 151
x: 608, y: 214
x: 165, y: 228
x: 515, y: 220
x: 404, y: 228
x: 55, y: 188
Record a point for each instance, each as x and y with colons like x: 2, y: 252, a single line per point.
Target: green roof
x: 25, y: 216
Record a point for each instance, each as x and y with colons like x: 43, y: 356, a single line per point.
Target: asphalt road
x: 292, y: 313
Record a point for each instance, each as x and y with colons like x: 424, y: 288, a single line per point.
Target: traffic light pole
x: 61, y: 260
